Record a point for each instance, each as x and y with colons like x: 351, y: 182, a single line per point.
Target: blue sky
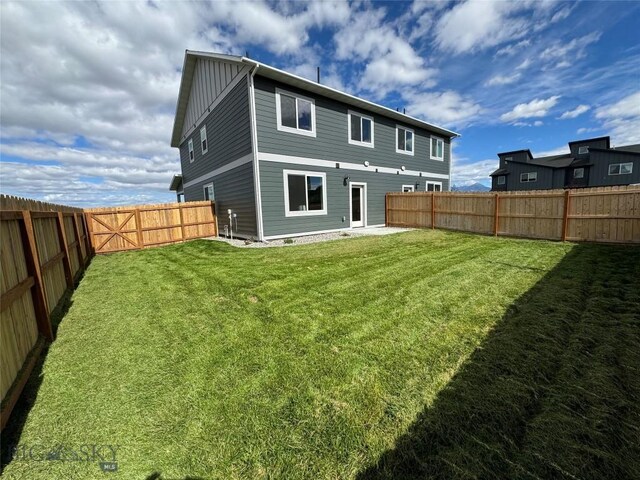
x: 88, y: 90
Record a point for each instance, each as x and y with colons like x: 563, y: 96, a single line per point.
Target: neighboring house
x: 589, y: 163
x: 289, y: 156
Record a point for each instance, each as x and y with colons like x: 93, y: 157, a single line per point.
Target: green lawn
x: 419, y: 355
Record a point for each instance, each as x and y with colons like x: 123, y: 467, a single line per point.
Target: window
x: 508, y: 159
x: 305, y: 193
x: 501, y: 180
x: 407, y: 188
x: 437, y: 148
x: 208, y: 192
x: 620, y: 168
x: 404, y: 143
x: 203, y: 139
x: 360, y: 129
x: 578, y: 173
x: 191, y: 156
x: 433, y: 187
x: 583, y: 150
x: 528, y: 177
x: 296, y: 114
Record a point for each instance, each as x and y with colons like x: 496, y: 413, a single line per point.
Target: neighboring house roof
x: 500, y: 171
x: 586, y: 140
x: 176, y: 183
x: 264, y: 70
x: 629, y: 148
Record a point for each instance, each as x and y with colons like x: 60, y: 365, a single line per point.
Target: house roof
x: 268, y: 71
x: 629, y: 148
x: 176, y: 183
x: 500, y: 171
x: 587, y: 140
x: 526, y: 150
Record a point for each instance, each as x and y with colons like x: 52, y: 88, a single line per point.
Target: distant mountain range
x: 474, y: 187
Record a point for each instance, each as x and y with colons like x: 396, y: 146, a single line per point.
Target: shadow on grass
x: 13, y: 430
x: 553, y: 392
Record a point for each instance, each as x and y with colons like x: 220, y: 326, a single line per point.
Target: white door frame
x: 363, y: 201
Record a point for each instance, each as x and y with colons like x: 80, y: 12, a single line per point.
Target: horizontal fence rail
x: 604, y: 214
x: 114, y: 229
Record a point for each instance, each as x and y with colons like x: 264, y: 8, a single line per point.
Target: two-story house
x: 589, y: 163
x: 289, y: 156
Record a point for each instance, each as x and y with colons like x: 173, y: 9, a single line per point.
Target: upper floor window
x: 437, y: 148
x: 501, y: 180
x: 620, y: 168
x: 296, y: 114
x: 578, y: 172
x: 305, y: 193
x: 433, y: 187
x: 190, y: 146
x: 360, y: 129
x: 582, y: 150
x: 404, y: 142
x: 407, y: 188
x: 507, y: 159
x: 528, y: 177
x: 203, y: 139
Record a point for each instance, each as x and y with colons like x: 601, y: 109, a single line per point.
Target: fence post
x: 386, y: 209
x: 76, y: 230
x: 433, y: 210
x: 496, y: 218
x: 66, y: 261
x: 40, y: 304
x: 181, y: 221
x: 565, y: 216
x: 139, y: 229
x: 88, y: 221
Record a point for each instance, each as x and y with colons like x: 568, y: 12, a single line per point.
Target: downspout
x: 254, y: 147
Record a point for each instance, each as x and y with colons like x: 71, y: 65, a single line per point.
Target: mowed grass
x: 419, y: 355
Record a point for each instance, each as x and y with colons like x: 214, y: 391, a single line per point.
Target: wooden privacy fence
x: 43, y: 250
x: 114, y: 229
x: 603, y: 214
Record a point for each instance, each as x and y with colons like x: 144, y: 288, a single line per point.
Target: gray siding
x: 599, y: 174
x: 544, y: 182
x: 331, y: 141
x: 228, y: 138
x: 228, y: 135
x: 378, y: 184
x: 233, y: 190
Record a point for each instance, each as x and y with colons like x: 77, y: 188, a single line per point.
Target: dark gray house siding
x: 599, y: 173
x: 229, y: 140
x: 544, y: 180
x: 331, y: 141
x: 233, y: 190
x: 276, y: 223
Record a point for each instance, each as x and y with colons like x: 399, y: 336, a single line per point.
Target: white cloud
x: 446, y: 108
x: 502, y: 79
x: 579, y: 110
x: 622, y: 119
x: 535, y: 108
x: 565, y: 54
x: 474, y: 25
x: 513, y: 48
x: 525, y: 64
x: 391, y: 61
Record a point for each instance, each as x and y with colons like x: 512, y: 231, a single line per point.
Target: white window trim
x: 356, y: 142
x: 503, y: 178
x: 620, y: 169
x: 581, y: 169
x: 412, y: 187
x: 192, y: 154
x: 204, y: 190
x: 413, y: 133
x: 364, y: 204
x: 441, y: 159
x: 204, y: 139
x: 528, y: 174
x: 582, y: 150
x: 429, y: 182
x: 304, y: 213
x: 282, y: 128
